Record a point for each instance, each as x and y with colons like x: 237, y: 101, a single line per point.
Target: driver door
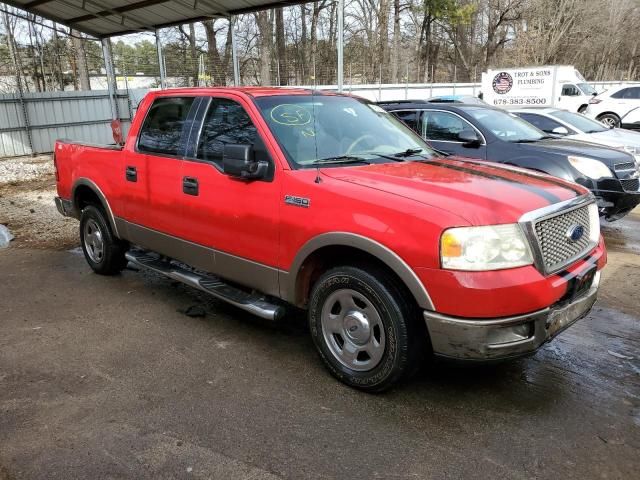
x: 236, y: 220
x: 442, y: 129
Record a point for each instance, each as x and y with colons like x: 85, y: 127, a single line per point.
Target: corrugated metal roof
x: 107, y: 18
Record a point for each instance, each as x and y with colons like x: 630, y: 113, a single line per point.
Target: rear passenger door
x: 442, y: 129
x: 238, y: 219
x: 152, y: 181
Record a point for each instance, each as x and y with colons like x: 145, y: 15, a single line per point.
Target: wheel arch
x: 608, y: 112
x: 338, y: 248
x: 86, y: 192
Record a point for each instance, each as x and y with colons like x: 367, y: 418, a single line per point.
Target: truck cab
x: 268, y: 198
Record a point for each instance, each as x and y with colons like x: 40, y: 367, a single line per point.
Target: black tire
x: 404, y: 336
x: 610, y: 119
x: 111, y: 260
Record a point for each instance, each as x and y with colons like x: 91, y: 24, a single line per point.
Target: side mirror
x: 469, y: 138
x: 560, y: 131
x: 237, y: 161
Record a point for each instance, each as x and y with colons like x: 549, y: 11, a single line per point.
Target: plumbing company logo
x: 502, y: 83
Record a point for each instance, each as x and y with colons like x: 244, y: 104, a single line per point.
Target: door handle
x: 131, y: 174
x: 190, y: 186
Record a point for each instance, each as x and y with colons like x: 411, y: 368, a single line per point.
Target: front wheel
x: 611, y: 120
x: 365, y: 328
x: 102, y: 250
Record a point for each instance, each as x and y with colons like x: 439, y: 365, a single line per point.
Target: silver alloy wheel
x: 93, y: 241
x: 609, y: 121
x: 353, y: 330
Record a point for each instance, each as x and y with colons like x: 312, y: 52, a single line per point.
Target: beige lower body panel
x: 229, y: 267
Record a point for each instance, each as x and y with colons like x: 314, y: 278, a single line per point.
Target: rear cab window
x: 163, y: 129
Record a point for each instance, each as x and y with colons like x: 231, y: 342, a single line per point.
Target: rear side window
x: 411, y: 118
x: 226, y: 123
x: 163, y: 126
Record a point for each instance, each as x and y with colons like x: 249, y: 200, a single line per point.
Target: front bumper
x: 494, y: 339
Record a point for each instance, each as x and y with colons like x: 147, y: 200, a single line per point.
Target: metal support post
x: 163, y: 73
x: 234, y: 52
x: 340, y: 44
x: 112, y: 86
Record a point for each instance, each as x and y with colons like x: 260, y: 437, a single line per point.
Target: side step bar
x: 250, y: 302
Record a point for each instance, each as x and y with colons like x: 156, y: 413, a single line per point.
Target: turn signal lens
x: 451, y: 247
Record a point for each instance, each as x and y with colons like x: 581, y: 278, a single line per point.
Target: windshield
x: 506, y: 126
x: 587, y: 89
x: 580, y: 122
x: 313, y: 129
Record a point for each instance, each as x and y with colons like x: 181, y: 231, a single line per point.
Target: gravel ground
x: 27, y: 207
x: 24, y: 169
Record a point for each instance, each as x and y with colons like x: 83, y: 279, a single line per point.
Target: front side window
x: 313, y: 129
x: 226, y: 122
x: 540, y: 121
x: 443, y: 126
x: 570, y: 90
x: 162, y: 130
x: 506, y: 126
x: 621, y: 93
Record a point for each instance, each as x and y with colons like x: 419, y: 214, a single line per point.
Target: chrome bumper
x: 493, y: 339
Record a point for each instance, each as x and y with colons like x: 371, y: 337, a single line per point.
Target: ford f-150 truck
x: 269, y: 197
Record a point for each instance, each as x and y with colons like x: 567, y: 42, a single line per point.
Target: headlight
x: 484, y: 248
x: 589, y: 167
x: 632, y: 150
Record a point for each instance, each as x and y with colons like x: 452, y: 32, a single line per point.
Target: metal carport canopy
x: 108, y: 18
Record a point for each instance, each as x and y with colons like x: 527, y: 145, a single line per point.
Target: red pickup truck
x: 268, y: 197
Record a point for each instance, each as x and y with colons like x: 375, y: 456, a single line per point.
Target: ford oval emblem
x: 575, y: 233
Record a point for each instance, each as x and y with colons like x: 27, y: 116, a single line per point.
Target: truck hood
x: 606, y: 155
x: 482, y: 193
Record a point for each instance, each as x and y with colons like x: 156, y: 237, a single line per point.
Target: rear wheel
x: 102, y: 250
x: 365, y: 328
x: 610, y: 120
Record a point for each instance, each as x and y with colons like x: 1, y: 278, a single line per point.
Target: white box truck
x: 560, y: 86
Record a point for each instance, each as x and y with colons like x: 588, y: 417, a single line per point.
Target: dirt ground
x: 108, y: 378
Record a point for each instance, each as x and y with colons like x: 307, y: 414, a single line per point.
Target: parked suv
x: 270, y: 197
x: 616, y: 107
x: 489, y: 133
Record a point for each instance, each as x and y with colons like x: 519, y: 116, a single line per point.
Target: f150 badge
x: 297, y: 201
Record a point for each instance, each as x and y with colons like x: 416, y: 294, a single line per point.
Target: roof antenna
x: 315, y: 139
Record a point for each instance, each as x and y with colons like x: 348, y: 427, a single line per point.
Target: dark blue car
x: 488, y: 133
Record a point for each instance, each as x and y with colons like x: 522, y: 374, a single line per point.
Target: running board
x: 250, y: 302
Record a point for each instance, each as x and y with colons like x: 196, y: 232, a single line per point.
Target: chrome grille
x: 630, y: 184
x: 552, y: 234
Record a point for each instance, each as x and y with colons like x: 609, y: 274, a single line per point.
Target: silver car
x: 578, y: 127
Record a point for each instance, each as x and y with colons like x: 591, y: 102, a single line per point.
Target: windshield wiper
x: 340, y: 159
x: 529, y: 140
x: 398, y: 157
x: 408, y: 152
